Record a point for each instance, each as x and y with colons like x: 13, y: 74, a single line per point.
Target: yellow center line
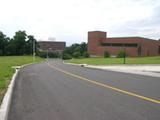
x: 106, y: 86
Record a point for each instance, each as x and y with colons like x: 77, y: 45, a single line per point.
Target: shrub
x: 1, y: 53
x: 86, y: 55
x: 106, y: 54
x: 121, y: 54
x: 42, y: 54
x: 53, y: 54
x: 76, y: 54
x: 66, y: 56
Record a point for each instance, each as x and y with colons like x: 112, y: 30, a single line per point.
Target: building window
x: 120, y: 44
x: 116, y: 44
x: 130, y: 44
x: 106, y: 44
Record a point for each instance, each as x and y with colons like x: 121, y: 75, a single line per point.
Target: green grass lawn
x: 107, y: 61
x: 6, y: 70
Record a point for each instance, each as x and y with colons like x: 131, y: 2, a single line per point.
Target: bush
x: 1, y: 53
x: 42, y: 54
x: 66, y: 56
x: 86, y: 55
x: 50, y: 54
x: 76, y: 54
x: 106, y: 54
x: 54, y: 54
x: 121, y: 54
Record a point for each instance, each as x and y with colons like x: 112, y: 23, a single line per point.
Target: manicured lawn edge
x: 115, y: 61
x: 6, y: 70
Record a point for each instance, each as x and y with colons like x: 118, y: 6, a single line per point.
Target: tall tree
x: 30, y: 43
x: 19, y: 40
x: 3, y: 43
x: 76, y: 50
x: 11, y: 48
x: 83, y: 47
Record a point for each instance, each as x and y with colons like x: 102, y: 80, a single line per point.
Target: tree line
x: 20, y: 44
x: 75, y: 51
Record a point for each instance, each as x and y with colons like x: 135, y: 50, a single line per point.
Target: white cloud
x: 69, y: 20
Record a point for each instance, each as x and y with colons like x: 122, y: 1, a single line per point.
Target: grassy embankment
x: 6, y: 70
x: 108, y: 61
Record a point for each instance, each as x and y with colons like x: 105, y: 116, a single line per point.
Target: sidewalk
x: 149, y: 70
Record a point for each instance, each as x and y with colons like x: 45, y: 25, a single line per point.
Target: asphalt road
x: 55, y: 91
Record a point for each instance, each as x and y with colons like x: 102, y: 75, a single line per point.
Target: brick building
x: 51, y: 46
x: 98, y: 43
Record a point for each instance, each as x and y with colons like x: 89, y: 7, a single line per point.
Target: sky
x: 70, y: 20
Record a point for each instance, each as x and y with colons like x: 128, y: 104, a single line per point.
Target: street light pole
x: 124, y: 61
x: 48, y: 50
x: 34, y: 51
x: 47, y: 54
x: 124, y: 57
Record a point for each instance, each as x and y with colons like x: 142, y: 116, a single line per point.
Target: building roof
x: 51, y: 45
x: 129, y: 39
x: 51, y: 42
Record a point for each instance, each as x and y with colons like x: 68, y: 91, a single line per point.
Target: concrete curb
x: 81, y: 65
x: 4, y: 108
x: 143, y: 72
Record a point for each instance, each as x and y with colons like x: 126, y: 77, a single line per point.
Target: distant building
x: 98, y: 43
x: 51, y: 46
